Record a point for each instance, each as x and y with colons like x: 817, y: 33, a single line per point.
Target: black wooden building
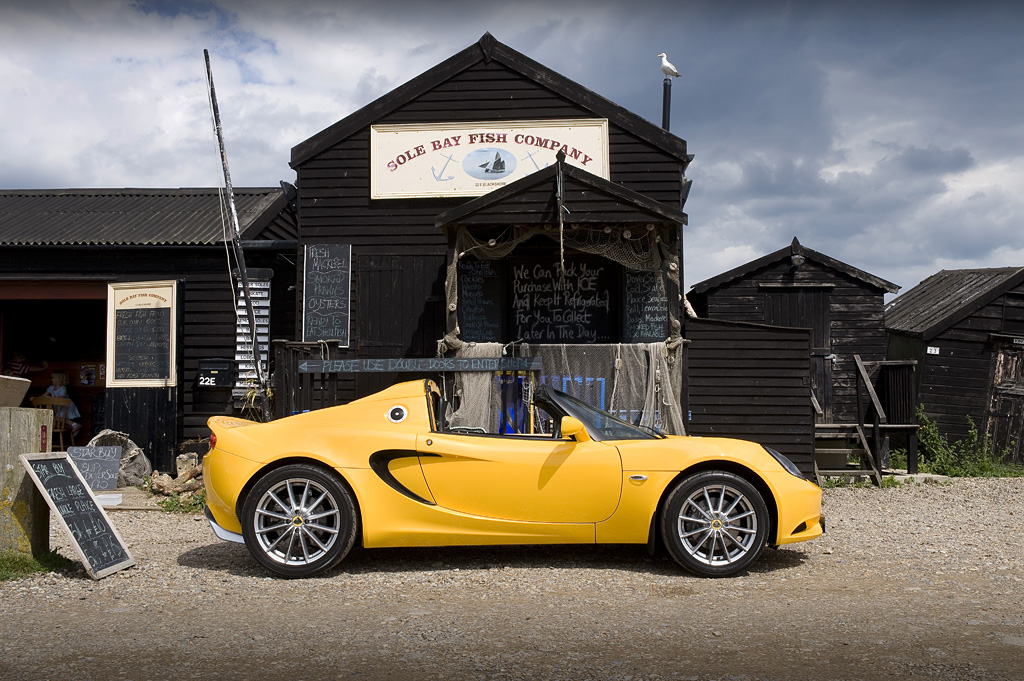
x: 796, y: 286
x: 406, y: 248
x: 61, y: 249
x: 965, y: 328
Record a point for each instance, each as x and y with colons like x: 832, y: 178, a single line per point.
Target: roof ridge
x: 487, y: 50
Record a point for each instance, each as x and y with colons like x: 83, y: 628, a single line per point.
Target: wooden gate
x: 1006, y: 408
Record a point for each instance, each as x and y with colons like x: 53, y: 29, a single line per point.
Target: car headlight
x: 785, y: 463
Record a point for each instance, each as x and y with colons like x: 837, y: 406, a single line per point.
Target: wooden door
x: 808, y: 308
x: 1006, y: 407
x: 399, y: 311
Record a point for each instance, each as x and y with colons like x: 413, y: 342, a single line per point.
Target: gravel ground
x: 917, y: 582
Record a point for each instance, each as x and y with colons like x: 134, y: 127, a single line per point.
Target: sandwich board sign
x: 100, y: 547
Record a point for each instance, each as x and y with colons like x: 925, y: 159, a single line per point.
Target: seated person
x: 60, y: 389
x: 20, y: 366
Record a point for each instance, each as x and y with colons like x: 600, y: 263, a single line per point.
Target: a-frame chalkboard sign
x: 100, y: 547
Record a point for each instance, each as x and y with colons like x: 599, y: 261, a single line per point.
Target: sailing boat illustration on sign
x: 489, y: 164
x: 496, y: 166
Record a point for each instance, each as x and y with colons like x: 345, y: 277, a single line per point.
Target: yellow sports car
x: 387, y: 470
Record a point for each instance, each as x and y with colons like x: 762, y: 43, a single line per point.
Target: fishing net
x: 639, y: 248
x: 473, y: 392
x: 639, y: 383
x: 135, y: 466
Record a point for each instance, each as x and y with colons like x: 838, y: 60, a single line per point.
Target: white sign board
x: 142, y: 334
x: 471, y: 159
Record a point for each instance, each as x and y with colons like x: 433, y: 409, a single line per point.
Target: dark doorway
x: 808, y: 308
x: 1006, y: 411
x: 66, y: 335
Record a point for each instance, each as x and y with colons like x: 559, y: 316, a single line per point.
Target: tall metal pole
x: 236, y: 242
x: 666, y: 103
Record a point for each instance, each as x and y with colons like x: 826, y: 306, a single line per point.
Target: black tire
x: 715, y: 524
x: 298, y: 521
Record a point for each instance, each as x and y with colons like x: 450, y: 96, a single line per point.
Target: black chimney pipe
x: 666, y: 103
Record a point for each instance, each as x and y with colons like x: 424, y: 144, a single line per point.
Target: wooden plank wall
x: 335, y: 207
x: 149, y: 417
x: 751, y: 382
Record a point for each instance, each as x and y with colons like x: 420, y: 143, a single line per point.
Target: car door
x: 524, y: 478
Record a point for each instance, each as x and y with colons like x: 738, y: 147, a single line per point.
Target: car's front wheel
x: 298, y: 521
x: 715, y: 523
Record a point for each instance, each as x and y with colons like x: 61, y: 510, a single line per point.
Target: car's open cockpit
x: 546, y: 410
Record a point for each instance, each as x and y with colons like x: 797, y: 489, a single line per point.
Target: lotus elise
x: 388, y: 471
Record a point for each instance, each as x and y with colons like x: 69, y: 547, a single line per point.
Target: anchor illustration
x: 437, y: 175
x: 530, y: 156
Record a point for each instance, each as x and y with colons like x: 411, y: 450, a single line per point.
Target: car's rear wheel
x: 298, y: 521
x: 715, y: 523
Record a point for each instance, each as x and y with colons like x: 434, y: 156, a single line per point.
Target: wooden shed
x: 965, y: 328
x: 796, y: 286
x: 66, y: 250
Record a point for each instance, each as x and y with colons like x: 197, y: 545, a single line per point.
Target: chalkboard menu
x: 644, y: 307
x: 142, y: 343
x: 326, y: 292
x: 481, y: 300
x: 141, y: 334
x: 99, y: 466
x: 576, y: 308
x: 100, y: 547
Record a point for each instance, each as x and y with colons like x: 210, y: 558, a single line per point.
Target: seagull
x: 666, y: 66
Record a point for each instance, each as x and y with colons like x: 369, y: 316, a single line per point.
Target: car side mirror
x: 574, y: 428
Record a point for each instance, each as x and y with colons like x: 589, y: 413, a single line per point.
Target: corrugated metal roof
x: 946, y: 298
x: 128, y: 216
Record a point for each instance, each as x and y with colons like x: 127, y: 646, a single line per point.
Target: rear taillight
x: 213, y: 441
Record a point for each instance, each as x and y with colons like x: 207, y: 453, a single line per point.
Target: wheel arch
x: 243, y: 495
x: 654, y: 541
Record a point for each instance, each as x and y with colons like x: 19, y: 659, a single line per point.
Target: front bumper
x: 221, y: 533
x: 799, y: 506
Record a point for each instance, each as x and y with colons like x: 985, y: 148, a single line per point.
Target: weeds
x: 16, y: 565
x: 971, y: 457
x: 188, y: 502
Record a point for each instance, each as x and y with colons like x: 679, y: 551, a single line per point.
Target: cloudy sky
x: 889, y: 135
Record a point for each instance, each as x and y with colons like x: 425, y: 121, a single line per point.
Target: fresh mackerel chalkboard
x: 100, y: 547
x: 326, y: 293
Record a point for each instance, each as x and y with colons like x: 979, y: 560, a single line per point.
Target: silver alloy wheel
x: 717, y: 525
x: 296, y: 522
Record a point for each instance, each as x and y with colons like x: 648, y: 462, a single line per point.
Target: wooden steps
x: 842, y: 450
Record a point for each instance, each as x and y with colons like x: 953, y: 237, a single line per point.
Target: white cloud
x: 894, y: 143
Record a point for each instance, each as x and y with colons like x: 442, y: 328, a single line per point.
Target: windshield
x: 600, y: 424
